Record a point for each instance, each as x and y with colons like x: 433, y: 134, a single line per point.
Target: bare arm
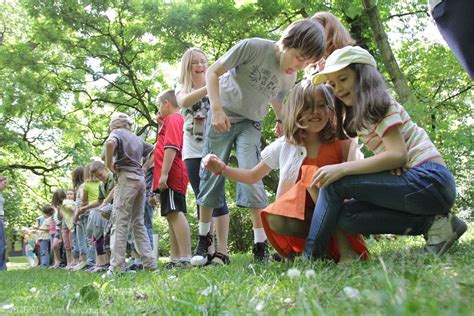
x: 109, y: 197
x: 168, y: 158
x: 220, y: 122
x: 394, y: 156
x: 277, y: 106
x: 248, y: 176
x: 110, y: 145
x: 185, y: 100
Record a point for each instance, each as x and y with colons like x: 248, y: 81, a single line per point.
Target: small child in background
x: 309, y: 142
x: 55, y: 228
x: 171, y: 179
x: 67, y: 230
x: 43, y: 229
x: 29, y: 239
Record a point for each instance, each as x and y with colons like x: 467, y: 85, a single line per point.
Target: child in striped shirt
x: 405, y: 188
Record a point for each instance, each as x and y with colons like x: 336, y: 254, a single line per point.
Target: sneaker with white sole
x: 443, y: 233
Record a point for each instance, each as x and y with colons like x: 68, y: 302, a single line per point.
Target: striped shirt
x: 418, y: 144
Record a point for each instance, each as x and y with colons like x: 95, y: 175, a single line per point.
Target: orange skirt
x: 292, y: 204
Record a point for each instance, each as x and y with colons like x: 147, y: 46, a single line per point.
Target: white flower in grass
x: 260, y: 306
x: 309, y: 274
x: 7, y: 306
x: 293, y: 273
x: 33, y: 290
x: 171, y: 277
x: 77, y: 294
x: 208, y: 290
x: 350, y: 292
x: 287, y: 301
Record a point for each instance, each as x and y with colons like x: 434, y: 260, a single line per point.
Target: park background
x: 66, y: 65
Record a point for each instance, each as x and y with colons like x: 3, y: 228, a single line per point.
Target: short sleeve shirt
x: 253, y: 78
x: 418, y: 144
x: 171, y: 136
x: 193, y: 146
x: 105, y: 188
x: 129, y: 151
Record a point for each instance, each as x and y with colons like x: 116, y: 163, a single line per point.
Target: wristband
x: 278, y: 121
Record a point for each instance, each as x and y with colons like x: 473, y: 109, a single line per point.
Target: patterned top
x: 418, y: 144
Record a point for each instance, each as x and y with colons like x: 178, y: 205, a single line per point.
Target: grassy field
x: 398, y: 280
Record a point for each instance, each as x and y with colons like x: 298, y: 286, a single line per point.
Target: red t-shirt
x: 171, y: 136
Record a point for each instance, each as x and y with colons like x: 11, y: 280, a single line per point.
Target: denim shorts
x: 246, y: 136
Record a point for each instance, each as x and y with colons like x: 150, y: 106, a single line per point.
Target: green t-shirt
x: 92, y: 189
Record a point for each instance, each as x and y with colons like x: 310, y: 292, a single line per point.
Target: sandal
x: 220, y: 259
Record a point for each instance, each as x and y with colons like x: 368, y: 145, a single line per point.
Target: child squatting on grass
x: 240, y: 85
x: 405, y: 188
x: 309, y: 142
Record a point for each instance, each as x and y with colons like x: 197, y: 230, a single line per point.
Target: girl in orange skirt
x: 309, y: 142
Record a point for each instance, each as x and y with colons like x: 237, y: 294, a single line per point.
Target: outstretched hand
x: 213, y: 163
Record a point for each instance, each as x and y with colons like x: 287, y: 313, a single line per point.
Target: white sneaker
x: 443, y: 233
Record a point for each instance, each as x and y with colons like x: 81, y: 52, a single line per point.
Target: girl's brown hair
x: 88, y: 176
x: 336, y: 34
x: 302, y: 101
x: 58, y: 197
x: 371, y: 102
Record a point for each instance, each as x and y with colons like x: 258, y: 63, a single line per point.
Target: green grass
x: 398, y: 280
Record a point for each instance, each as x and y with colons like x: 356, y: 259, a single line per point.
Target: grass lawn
x: 398, y: 280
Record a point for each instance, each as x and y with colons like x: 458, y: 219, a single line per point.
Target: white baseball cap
x: 341, y: 58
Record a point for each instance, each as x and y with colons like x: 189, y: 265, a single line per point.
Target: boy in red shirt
x: 171, y: 179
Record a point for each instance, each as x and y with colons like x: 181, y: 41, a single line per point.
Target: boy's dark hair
x: 96, y: 166
x: 58, y: 197
x: 47, y: 209
x: 306, y: 35
x: 170, y: 96
x: 371, y: 102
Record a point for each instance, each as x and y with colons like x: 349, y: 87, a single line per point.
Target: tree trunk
x: 396, y: 75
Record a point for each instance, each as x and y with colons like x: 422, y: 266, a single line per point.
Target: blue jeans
x: 148, y: 216
x: 84, y: 243
x: 3, y: 246
x: 383, y: 203
x: 246, y: 136
x: 44, y: 252
x: 193, y: 166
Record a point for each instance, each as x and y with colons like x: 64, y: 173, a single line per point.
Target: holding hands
x: 214, y: 164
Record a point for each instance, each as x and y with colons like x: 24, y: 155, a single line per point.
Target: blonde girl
x: 191, y: 95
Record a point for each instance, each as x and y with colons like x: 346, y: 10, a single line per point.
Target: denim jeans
x: 246, y: 136
x: 84, y: 243
x: 149, y: 218
x: 193, y: 166
x: 44, y: 252
x: 3, y: 246
x: 383, y: 203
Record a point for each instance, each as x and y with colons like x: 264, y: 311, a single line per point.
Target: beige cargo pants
x: 128, y: 212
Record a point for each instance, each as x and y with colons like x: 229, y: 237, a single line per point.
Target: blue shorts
x: 246, y: 136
